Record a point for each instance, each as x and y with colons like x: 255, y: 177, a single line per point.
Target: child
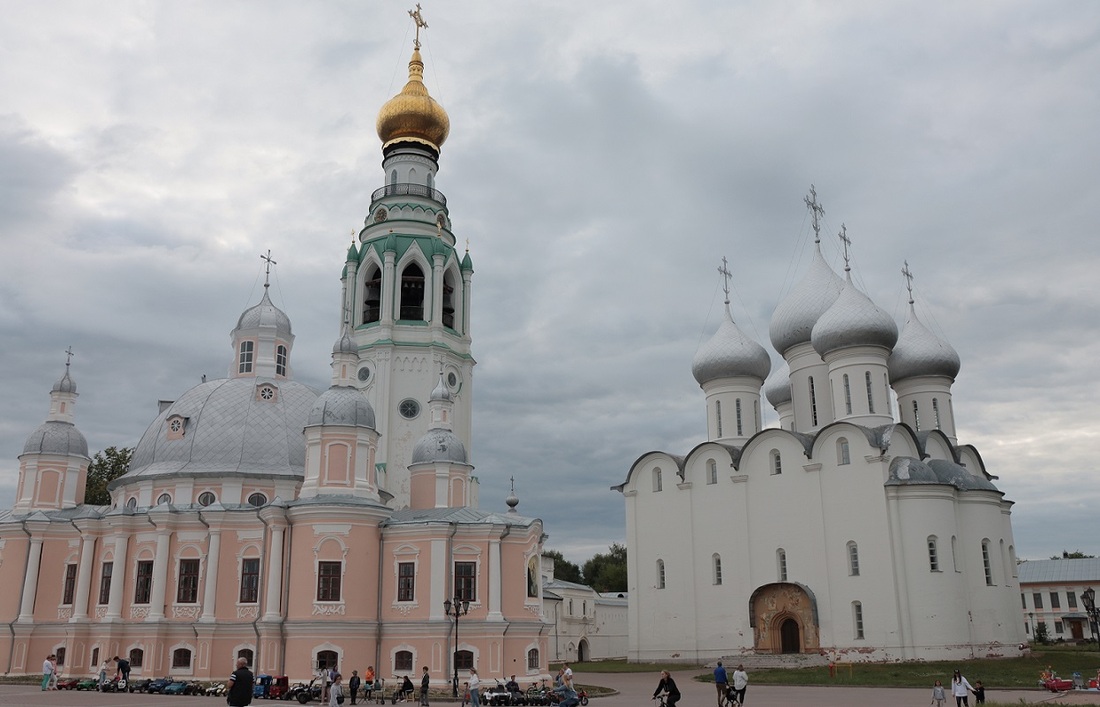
x: 979, y: 692
x: 938, y: 695
x: 465, y: 694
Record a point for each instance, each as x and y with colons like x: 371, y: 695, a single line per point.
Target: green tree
x: 606, y: 572
x: 1042, y: 636
x: 106, y: 466
x: 563, y: 568
x: 1075, y: 555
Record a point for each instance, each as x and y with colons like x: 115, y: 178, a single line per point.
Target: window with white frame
x: 718, y: 416
x: 660, y: 574
x: 717, y: 561
x: 857, y: 618
x: 657, y: 485
x: 777, y: 462
x: 244, y: 365
x: 933, y: 555
x: 853, y: 559
x: 843, y: 454
x: 781, y: 564
x: 280, y: 360
x: 847, y: 395
x: 712, y: 471
x: 813, y: 403
x: 740, y: 426
x: 870, y: 395
x: 987, y: 563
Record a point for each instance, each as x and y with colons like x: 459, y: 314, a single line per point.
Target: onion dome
x: 919, y: 352
x: 265, y: 314
x: 512, y: 501
x: 853, y: 320
x: 467, y: 263
x: 341, y: 406
x: 728, y: 354
x: 794, y: 318
x: 441, y: 391
x: 413, y: 115
x: 345, y: 344
x: 65, y: 384
x: 778, y: 389
x: 439, y: 445
x: 56, y: 437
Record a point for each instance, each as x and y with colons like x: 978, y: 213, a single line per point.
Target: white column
x: 210, y: 594
x: 160, y: 576
x: 274, y: 575
x: 84, y: 577
x: 118, y: 577
x: 494, y: 582
x: 30, y: 581
x: 437, y: 292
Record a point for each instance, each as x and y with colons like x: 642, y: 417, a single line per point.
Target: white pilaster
x: 118, y: 577
x: 274, y: 576
x: 84, y: 577
x: 30, y: 581
x: 209, y: 596
x: 160, y: 576
x: 494, y: 582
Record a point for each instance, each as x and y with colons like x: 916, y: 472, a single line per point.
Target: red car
x: 1057, y: 684
x: 67, y: 684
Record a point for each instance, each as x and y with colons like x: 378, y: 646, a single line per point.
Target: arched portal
x: 582, y: 651
x: 784, y: 619
x: 788, y: 636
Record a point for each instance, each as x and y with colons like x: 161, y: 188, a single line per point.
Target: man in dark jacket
x: 353, y: 684
x: 240, y: 685
x: 425, y: 681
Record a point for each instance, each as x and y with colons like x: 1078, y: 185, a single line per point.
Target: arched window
x: 449, y: 300
x: 569, y: 612
x: 372, y: 295
x: 181, y: 658
x: 843, y: 455
x: 137, y: 657
x: 712, y: 471
x: 247, y: 654
x: 464, y: 660
x: 660, y: 574
x: 813, y: 403
x: 916, y: 416
x: 936, y: 412
x: 403, y: 661
x: 393, y: 182
x: 870, y: 395
x: 853, y: 558
x: 244, y: 364
x: 584, y: 608
x: 657, y: 487
x: 164, y: 498
x: 777, y: 462
x: 933, y: 555
x: 740, y: 427
x: 533, y: 659
x: 857, y: 618
x: 954, y: 554
x: 781, y: 564
x: 257, y: 499
x: 847, y: 395
x: 95, y: 656
x: 717, y: 561
x: 987, y: 563
x: 280, y: 360
x: 206, y: 498
x: 412, y: 293
x: 326, y: 660
x: 60, y: 653
x: 431, y: 183
x: 718, y: 415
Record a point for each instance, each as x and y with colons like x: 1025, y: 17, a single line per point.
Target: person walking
x: 368, y: 683
x: 102, y: 675
x: 47, y: 672
x: 239, y: 686
x: 721, y: 682
x: 55, y: 673
x: 938, y: 695
x: 740, y: 684
x: 475, y: 685
x: 353, y: 685
x: 668, y: 686
x: 336, y: 691
x: 960, y: 689
x: 425, y: 681
x: 979, y: 692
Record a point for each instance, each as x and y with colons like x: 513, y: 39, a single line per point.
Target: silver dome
x: 441, y: 392
x: 778, y: 389
x: 794, y: 318
x: 853, y: 320
x: 919, y: 352
x: 342, y: 406
x: 439, y: 445
x: 730, y: 353
x: 65, y: 384
x: 230, y: 428
x: 265, y: 314
x: 56, y: 437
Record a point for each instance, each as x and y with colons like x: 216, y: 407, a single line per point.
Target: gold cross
x: 420, y: 23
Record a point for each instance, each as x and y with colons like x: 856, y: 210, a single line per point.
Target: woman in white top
x: 960, y: 688
x: 475, y: 683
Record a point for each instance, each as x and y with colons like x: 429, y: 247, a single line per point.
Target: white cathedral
x: 842, y: 534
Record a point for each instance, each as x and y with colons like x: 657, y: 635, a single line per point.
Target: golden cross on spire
x: 908, y: 274
x: 418, y: 18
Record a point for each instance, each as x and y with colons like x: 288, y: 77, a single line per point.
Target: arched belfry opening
x: 372, y: 295
x: 783, y: 616
x: 449, y: 299
x: 412, y: 293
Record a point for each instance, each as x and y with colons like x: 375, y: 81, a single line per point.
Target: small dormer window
x: 245, y: 360
x: 280, y: 360
x: 257, y: 499
x: 206, y: 498
x: 177, y: 427
x: 266, y: 393
x: 131, y: 504
x: 164, y: 499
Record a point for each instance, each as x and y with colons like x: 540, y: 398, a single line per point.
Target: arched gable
x: 647, y: 462
x: 757, y: 450
x: 937, y: 446
x: 968, y: 456
x: 695, y: 464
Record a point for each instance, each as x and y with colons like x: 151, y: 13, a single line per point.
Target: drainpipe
x: 288, y: 540
x: 11, y: 626
x: 449, y: 582
x: 378, y: 611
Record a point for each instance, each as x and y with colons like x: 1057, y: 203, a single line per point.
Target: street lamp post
x: 456, y: 608
x: 1088, y: 597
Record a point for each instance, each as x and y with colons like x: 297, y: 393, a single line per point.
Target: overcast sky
x: 603, y: 158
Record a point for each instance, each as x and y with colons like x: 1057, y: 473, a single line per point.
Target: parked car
x: 67, y: 683
x: 280, y: 686
x: 88, y: 684
x: 140, y: 685
x: 175, y: 687
x: 158, y: 685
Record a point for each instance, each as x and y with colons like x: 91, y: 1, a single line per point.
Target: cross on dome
x: 726, y: 275
x: 817, y: 210
x: 843, y: 236
x: 267, y: 268
x: 908, y: 275
x: 69, y: 356
x: 418, y: 18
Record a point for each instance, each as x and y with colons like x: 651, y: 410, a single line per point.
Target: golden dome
x: 413, y: 115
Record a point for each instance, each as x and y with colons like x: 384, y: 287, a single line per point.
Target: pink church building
x: 302, y: 530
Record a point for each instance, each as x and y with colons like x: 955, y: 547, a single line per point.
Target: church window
x: 176, y: 425
x: 660, y: 574
x: 853, y: 559
x: 181, y: 658
x: 777, y: 462
x: 717, y: 559
x: 267, y: 393
x: 412, y: 293
x: 105, y: 582
x: 326, y: 660
x: 870, y: 395
x: 206, y: 498
x: 244, y: 363
x: 257, y: 499
x: 570, y: 611
x: 933, y: 555
x: 847, y: 395
x: 464, y: 660
x: 936, y: 411
x: 954, y: 553
x: 1055, y: 601
x: 466, y: 581
x: 781, y: 564
x: 137, y: 657
x: 280, y: 360
x: 131, y: 503
x: 739, y: 425
x: 247, y: 654
x: 584, y: 608
x: 718, y: 416
x: 1023, y: 599
x: 164, y: 498
x: 1037, y: 600
x: 987, y: 563
x: 1059, y: 627
x: 657, y: 487
x: 449, y: 300
x: 328, y: 580
x: 393, y: 182
x: 70, y: 585
x: 143, y: 582
x: 250, y: 580
x: 187, y: 591
x: 406, y: 581
x: 403, y: 660
x: 533, y: 659
x: 60, y: 652
x: 95, y: 658
x: 430, y: 180
x: 1071, y: 599
x: 408, y: 408
x: 916, y: 416
x: 712, y: 472
x: 372, y: 295
x: 813, y: 403
x: 857, y: 618
x: 843, y: 455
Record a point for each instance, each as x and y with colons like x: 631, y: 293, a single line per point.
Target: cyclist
x: 668, y: 685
